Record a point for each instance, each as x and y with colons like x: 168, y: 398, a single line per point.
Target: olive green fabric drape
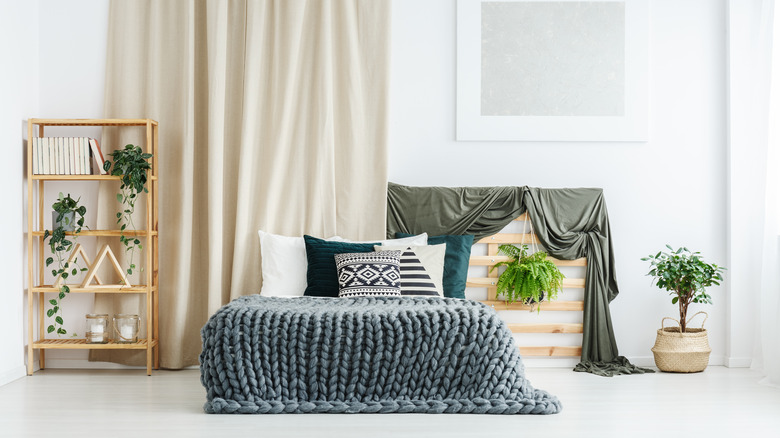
x: 570, y: 223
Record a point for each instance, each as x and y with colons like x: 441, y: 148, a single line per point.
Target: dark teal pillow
x: 321, y: 275
x: 456, y: 262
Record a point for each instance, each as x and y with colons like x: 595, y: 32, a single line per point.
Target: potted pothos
x: 686, y: 276
x: 69, y: 217
x: 529, y: 279
x: 131, y: 164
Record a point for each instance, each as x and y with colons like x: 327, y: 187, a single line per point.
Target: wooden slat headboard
x: 532, y: 324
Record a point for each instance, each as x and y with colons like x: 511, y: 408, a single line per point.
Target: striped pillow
x: 422, y: 268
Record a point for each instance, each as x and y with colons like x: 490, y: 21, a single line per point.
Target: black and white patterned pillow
x: 369, y: 274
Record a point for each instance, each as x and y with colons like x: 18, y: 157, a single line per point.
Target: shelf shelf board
x: 92, y: 122
x: 103, y: 289
x: 103, y: 233
x: 81, y: 344
x: 40, y: 177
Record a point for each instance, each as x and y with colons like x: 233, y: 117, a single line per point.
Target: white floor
x: 720, y: 402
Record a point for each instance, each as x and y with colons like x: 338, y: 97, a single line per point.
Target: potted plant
x: 66, y: 210
x: 132, y: 165
x: 527, y: 278
x: 686, y: 276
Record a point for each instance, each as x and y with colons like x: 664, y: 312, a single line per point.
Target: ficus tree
x: 686, y: 276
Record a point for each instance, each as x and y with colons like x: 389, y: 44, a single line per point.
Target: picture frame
x: 552, y: 70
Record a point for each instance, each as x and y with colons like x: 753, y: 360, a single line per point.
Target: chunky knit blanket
x: 374, y: 355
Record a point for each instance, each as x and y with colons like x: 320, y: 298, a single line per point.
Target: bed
x: 268, y: 355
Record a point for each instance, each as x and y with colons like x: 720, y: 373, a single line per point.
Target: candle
x: 97, y: 328
x: 96, y: 333
x: 127, y: 333
x: 126, y: 328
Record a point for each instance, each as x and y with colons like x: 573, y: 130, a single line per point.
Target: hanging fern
x: 527, y: 277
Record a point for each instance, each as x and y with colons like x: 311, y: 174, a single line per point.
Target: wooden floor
x: 720, y: 402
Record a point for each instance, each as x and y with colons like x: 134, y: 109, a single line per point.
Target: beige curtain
x: 272, y: 116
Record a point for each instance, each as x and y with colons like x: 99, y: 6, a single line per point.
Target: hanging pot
x: 678, y: 352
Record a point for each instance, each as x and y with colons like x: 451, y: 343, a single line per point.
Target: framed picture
x: 552, y: 70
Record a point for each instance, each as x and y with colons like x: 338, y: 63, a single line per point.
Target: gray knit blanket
x: 364, y: 355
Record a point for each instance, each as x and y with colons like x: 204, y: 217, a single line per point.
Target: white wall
x: 71, y: 85
x: 671, y: 189
x: 18, y: 87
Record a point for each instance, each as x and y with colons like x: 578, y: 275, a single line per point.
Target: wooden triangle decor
x: 92, y: 273
x: 77, y: 250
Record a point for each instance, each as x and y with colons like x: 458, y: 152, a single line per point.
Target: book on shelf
x: 50, y: 151
x: 98, y: 155
x: 35, y: 154
x: 66, y: 156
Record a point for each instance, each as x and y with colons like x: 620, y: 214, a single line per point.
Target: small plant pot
x: 68, y: 222
x: 530, y: 301
x: 678, y: 352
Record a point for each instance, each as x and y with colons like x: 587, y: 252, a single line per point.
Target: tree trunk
x: 684, y: 301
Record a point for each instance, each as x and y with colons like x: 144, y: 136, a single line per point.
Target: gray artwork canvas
x: 553, y: 59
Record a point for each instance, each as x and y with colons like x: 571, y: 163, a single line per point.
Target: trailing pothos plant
x: 527, y: 277
x: 685, y: 275
x: 67, y: 209
x: 131, y: 165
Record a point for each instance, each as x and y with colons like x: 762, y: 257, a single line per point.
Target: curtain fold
x: 570, y: 223
x: 767, y: 351
x: 273, y: 116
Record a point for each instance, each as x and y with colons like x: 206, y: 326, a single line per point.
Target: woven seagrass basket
x: 678, y: 352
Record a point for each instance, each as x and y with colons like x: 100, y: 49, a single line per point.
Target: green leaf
x: 75, y: 271
x: 50, y: 313
x: 49, y: 261
x: 53, y: 302
x: 119, y: 197
x: 58, y: 320
x: 49, y: 329
x: 674, y: 300
x: 61, y: 295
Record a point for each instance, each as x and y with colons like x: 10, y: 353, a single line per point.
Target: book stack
x: 66, y: 156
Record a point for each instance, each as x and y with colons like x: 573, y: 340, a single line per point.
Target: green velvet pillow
x: 321, y: 274
x: 456, y: 262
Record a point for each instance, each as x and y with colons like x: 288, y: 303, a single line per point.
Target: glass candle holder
x: 126, y: 328
x: 97, y: 328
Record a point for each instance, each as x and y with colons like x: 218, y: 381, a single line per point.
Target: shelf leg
x: 42, y: 358
x: 30, y: 360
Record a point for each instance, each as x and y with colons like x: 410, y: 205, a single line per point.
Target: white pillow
x: 421, y: 260
x: 284, y: 265
x: 420, y: 239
